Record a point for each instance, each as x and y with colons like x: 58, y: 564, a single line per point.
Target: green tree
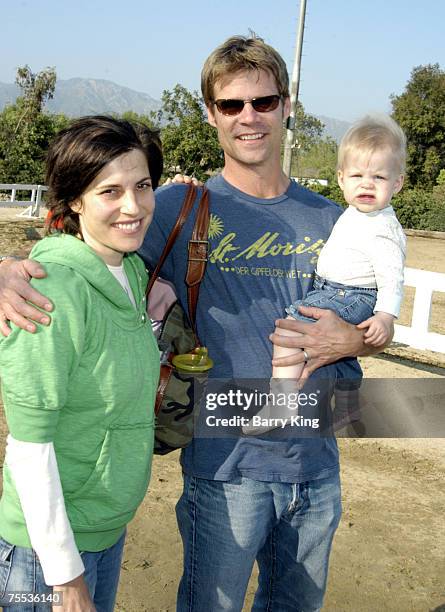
x: 25, y: 130
x: 420, y: 110
x: 36, y: 89
x: 148, y: 121
x: 319, y: 161
x: 413, y: 208
x: 316, y: 161
x: 190, y: 144
x: 441, y: 178
x: 436, y: 219
x: 308, y: 130
x: 307, y: 137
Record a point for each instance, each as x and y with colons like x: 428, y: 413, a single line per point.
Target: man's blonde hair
x: 242, y: 53
x: 371, y: 133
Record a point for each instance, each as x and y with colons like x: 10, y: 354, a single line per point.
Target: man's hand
x: 183, y: 178
x: 16, y: 292
x: 75, y: 596
x: 379, y: 329
x: 326, y: 341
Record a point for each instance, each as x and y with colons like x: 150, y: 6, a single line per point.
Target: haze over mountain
x: 335, y: 128
x: 77, y: 96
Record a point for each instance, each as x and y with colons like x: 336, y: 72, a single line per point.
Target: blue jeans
x: 287, y: 528
x: 353, y: 305
x: 20, y: 571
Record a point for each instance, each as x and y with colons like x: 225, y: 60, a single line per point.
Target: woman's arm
x: 33, y: 467
x: 35, y: 372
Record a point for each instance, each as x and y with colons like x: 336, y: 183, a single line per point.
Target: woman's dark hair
x: 79, y: 153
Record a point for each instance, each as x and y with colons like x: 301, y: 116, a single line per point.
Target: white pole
x: 295, y: 85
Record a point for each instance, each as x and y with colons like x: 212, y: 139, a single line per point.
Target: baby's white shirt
x: 367, y: 250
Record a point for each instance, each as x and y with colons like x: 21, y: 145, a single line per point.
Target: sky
x: 356, y: 53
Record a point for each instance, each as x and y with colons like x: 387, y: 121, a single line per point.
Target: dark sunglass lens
x: 265, y: 104
x: 230, y: 107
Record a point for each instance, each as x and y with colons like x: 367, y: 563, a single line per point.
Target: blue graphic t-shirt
x: 263, y: 253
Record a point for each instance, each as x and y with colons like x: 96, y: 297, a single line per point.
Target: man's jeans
x: 287, y: 528
x: 21, y: 572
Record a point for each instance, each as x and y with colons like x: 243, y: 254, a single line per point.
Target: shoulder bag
x: 184, y: 362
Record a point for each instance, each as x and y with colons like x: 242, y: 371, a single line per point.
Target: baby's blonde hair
x: 371, y: 133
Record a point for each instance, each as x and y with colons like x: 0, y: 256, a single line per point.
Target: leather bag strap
x: 197, y: 251
x: 187, y: 206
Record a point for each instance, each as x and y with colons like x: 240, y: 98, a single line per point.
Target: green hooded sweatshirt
x: 87, y: 383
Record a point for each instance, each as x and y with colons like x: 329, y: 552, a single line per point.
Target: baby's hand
x: 379, y: 328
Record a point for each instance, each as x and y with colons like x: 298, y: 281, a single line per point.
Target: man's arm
x: 326, y: 341
x: 18, y: 300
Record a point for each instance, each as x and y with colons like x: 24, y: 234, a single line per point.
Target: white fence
x: 418, y: 334
x: 32, y: 204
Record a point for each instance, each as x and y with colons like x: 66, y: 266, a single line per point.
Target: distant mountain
x: 76, y: 97
x: 335, y: 128
x: 8, y: 93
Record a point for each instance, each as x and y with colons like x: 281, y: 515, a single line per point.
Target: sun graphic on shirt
x: 216, y: 226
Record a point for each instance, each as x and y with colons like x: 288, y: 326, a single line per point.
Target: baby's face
x: 370, y: 179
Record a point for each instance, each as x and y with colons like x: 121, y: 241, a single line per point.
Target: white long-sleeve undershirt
x: 33, y: 467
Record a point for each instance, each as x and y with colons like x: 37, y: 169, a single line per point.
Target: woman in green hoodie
x: 79, y: 393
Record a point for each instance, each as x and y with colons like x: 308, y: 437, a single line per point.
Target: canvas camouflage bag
x: 184, y: 362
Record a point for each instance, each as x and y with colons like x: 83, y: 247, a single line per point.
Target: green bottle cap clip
x: 196, y: 361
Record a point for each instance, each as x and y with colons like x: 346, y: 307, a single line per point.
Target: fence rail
x: 417, y: 334
x: 32, y: 204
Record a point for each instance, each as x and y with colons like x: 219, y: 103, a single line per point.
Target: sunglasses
x: 265, y: 104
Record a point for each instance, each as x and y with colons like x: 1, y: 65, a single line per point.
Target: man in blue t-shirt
x: 273, y: 499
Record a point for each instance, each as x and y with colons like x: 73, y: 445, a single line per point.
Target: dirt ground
x: 388, y: 553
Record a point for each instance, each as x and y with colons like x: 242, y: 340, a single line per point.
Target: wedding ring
x: 306, y: 356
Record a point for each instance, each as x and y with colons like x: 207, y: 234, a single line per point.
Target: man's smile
x: 257, y: 136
